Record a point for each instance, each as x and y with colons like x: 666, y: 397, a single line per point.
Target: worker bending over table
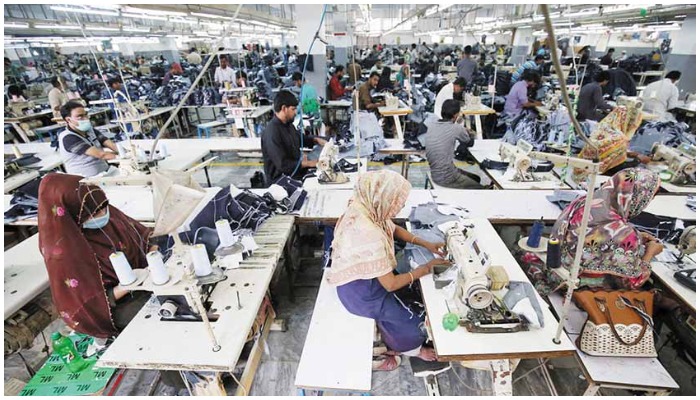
x: 616, y: 255
x: 440, y: 142
x: 363, y: 264
x: 281, y: 142
x: 661, y: 96
x: 517, y: 99
x: 590, y: 100
x: 81, y: 148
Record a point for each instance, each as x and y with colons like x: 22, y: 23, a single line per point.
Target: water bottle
x: 66, y: 350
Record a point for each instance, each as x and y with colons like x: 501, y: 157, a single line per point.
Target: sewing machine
x: 518, y: 160
x: 18, y: 108
x: 686, y: 246
x: 471, y: 102
x: 327, y: 173
x: 392, y: 102
x: 475, y: 282
x: 135, y: 161
x: 680, y: 161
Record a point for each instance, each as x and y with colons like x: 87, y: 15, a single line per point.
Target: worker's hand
x: 381, y: 104
x: 428, y: 268
x: 109, y: 156
x: 538, y: 103
x: 653, y: 249
x: 647, y: 237
x: 321, y: 141
x: 436, y: 248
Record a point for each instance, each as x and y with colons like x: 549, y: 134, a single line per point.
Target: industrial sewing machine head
x: 680, y: 161
x: 519, y: 160
x: 475, y: 282
x: 686, y: 246
x: 19, y: 108
x: 135, y: 160
x: 327, y: 165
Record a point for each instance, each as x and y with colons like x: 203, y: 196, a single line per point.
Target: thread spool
x: 15, y: 150
x: 553, y: 254
x: 122, y: 268
x: 163, y: 150
x: 223, y: 228
x: 200, y: 259
x: 168, y: 309
x: 141, y: 154
x: 159, y: 275
x: 535, y: 234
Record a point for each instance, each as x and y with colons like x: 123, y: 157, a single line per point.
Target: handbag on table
x: 619, y: 323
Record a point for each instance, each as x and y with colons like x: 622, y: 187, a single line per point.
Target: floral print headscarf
x: 363, y: 247
x: 612, y: 245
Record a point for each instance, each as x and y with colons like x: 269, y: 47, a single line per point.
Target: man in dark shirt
x: 591, y: 99
x: 281, y: 142
x: 365, y: 94
x: 466, y: 67
x: 608, y: 58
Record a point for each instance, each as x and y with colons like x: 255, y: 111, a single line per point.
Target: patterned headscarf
x: 612, y: 136
x: 363, y: 247
x: 612, y: 245
x: 77, y: 259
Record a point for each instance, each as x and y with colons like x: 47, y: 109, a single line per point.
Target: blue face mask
x: 97, y: 222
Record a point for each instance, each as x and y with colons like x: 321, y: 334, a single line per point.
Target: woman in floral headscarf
x: 364, y: 261
x: 615, y: 254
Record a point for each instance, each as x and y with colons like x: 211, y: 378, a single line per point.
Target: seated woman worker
x: 615, y: 255
x: 78, y: 231
x: 363, y: 264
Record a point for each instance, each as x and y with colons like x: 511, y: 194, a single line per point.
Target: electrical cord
x: 301, y: 93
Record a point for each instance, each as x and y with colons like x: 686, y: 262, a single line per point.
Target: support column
x: 308, y: 19
x: 340, y: 38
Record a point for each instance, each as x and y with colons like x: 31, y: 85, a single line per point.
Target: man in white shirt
x: 224, y: 73
x: 193, y: 58
x: 662, y: 96
x: 57, y: 97
x: 450, y: 91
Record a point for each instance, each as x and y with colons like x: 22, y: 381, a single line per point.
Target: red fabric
x: 77, y: 259
x: 337, y: 90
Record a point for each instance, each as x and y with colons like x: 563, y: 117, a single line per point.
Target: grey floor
x: 275, y: 375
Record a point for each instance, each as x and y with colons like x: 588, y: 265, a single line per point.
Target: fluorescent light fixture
x: 16, y: 25
x: 144, y: 16
x: 445, y: 6
x: 205, y: 15
x: 56, y: 26
x: 184, y: 21
x: 431, y: 10
x: 85, y: 11
x: 93, y: 28
x: 525, y: 26
x: 132, y: 29
x: 154, y: 12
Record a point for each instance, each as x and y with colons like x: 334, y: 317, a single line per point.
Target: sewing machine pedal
x: 424, y: 369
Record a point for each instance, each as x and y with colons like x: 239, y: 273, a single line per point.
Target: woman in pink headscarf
x: 364, y: 262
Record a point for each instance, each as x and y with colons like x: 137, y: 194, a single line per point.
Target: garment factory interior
x: 191, y: 193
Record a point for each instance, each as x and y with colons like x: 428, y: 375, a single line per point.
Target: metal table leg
x: 206, y: 172
x: 22, y: 132
x: 479, y: 132
x: 399, y: 129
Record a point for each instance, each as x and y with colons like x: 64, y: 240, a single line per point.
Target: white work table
x: 50, y: 157
x: 397, y: 147
x: 477, y: 111
x: 25, y: 275
x: 664, y: 271
x: 148, y: 343
x: 488, y: 149
x: 461, y: 345
x: 401, y: 110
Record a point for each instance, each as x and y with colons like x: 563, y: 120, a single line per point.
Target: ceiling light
x: 431, y: 11
x: 131, y: 29
x: 184, y: 21
x: 16, y: 25
x: 205, y: 15
x: 56, y: 26
x: 143, y: 16
x: 85, y: 11
x: 89, y: 28
x: 154, y: 12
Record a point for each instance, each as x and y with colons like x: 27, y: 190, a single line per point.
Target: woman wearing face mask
x: 78, y: 231
x: 82, y: 149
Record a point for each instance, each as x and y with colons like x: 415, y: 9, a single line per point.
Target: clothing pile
x: 669, y: 133
x: 170, y: 94
x: 526, y: 127
x: 24, y: 203
x: 371, y: 134
x: 205, y: 96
